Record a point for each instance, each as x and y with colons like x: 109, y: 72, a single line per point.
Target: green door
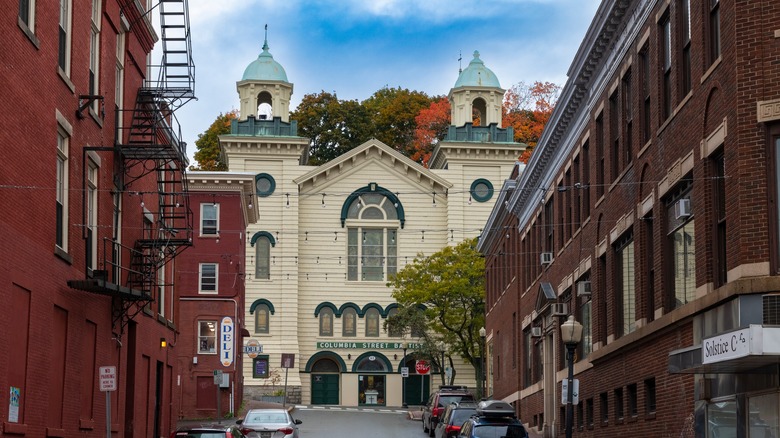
x: 324, y: 389
x: 417, y: 389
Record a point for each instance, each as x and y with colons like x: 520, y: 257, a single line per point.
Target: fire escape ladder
x: 176, y: 76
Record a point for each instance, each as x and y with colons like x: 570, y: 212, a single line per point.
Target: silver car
x: 269, y: 423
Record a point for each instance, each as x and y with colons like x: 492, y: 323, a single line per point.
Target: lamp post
x: 571, y: 333
x: 404, y: 346
x: 482, y: 374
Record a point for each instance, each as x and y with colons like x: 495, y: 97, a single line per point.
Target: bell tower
x: 264, y: 90
x: 476, y: 94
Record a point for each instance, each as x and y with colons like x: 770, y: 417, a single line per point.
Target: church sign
x: 366, y: 346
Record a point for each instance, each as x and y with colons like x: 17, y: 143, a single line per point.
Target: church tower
x: 265, y: 82
x: 476, y: 93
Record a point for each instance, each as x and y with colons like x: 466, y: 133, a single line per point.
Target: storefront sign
x: 366, y: 346
x: 226, y: 341
x: 726, y: 346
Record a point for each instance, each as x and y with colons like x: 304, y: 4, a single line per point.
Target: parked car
x: 454, y: 416
x: 439, y: 400
x: 269, y: 423
x: 494, y: 419
x: 215, y: 431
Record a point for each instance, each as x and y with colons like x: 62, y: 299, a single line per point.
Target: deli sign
x: 226, y: 338
x: 727, y: 346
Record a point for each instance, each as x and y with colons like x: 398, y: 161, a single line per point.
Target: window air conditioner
x: 583, y: 288
x: 559, y: 309
x: 682, y: 208
x: 536, y: 332
x: 547, y: 258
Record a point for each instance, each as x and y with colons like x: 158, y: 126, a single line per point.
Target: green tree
x: 441, y: 299
x: 333, y: 126
x: 208, y: 153
x: 393, y: 112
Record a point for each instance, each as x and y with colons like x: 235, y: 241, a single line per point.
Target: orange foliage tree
x: 207, y: 155
x: 432, y: 124
x: 527, y: 108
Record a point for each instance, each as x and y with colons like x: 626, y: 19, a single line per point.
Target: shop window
x: 764, y: 420
x: 722, y: 419
x: 207, y: 337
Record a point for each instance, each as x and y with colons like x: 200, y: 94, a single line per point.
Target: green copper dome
x: 477, y: 75
x: 264, y: 68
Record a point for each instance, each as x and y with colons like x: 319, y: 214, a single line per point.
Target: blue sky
x: 355, y: 47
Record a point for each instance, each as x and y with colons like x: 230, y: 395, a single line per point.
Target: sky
x: 355, y: 47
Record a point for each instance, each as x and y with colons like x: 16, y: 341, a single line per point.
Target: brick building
x: 96, y: 210
x: 649, y: 212
x: 210, y: 290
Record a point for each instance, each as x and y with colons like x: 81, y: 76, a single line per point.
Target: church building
x: 329, y: 237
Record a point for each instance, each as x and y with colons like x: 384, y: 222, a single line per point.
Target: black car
x: 439, y: 400
x: 454, y: 416
x: 214, y: 431
x: 494, y: 419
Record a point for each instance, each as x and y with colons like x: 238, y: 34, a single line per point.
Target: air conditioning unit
x: 559, y: 309
x: 547, y: 258
x: 583, y: 288
x: 682, y: 208
x: 536, y: 332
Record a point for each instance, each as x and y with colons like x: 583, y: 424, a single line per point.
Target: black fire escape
x: 150, y: 144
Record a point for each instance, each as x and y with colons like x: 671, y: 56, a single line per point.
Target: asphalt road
x: 357, y: 423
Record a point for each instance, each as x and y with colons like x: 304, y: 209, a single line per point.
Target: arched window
x: 264, y: 106
x: 372, y: 229
x: 372, y: 364
x: 372, y: 322
x: 326, y: 321
x: 325, y: 366
x: 262, y: 313
x: 479, y: 112
x: 392, y: 330
x: 348, y: 322
x: 263, y: 258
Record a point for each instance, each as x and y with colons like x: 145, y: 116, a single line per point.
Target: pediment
x: 373, y: 151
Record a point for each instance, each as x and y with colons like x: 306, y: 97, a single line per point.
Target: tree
x: 441, y: 298
x: 527, y: 108
x: 208, y: 154
x: 432, y: 125
x: 393, y: 112
x: 333, y: 126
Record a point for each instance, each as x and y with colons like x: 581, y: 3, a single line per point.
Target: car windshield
x: 499, y: 431
x: 459, y: 416
x: 267, y: 417
x: 447, y: 399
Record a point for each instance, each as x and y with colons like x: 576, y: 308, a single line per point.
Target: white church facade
x: 328, y: 237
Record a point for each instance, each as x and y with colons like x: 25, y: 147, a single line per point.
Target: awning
x: 737, y: 351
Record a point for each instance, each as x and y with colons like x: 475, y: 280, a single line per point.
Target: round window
x: 264, y: 185
x: 481, y: 190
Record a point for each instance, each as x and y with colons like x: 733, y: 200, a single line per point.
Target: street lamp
x: 404, y: 346
x: 482, y: 361
x: 571, y: 333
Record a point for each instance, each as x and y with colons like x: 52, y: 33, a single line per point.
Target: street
x: 338, y: 422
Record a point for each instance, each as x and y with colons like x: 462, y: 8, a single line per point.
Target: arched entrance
x: 372, y: 368
x: 325, y: 382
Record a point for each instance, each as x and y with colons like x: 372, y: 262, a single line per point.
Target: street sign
x: 422, y: 367
x: 404, y: 371
x: 288, y: 360
x: 575, y: 396
x: 107, y: 378
x: 252, y: 348
x: 217, y: 377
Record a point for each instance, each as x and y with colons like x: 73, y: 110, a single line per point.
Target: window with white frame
x: 207, y: 337
x: 92, y: 214
x: 372, y: 228
x: 116, y: 260
x: 27, y: 14
x: 326, y: 322
x: 161, y: 290
x: 63, y: 56
x: 61, y: 190
x: 119, y: 80
x: 94, y: 54
x: 208, y: 278
x: 209, y: 219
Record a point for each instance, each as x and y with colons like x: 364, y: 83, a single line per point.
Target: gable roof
x: 377, y: 150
